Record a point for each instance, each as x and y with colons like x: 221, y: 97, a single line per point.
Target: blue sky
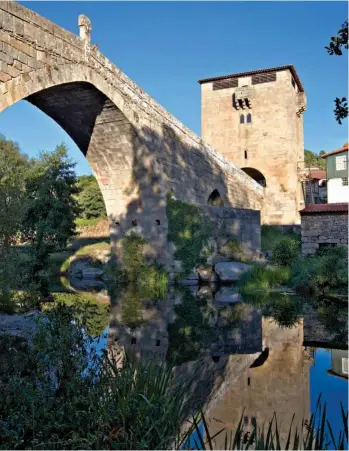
x: 165, y: 47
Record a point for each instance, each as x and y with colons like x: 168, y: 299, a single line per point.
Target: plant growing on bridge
x: 151, y: 279
x: 188, y: 230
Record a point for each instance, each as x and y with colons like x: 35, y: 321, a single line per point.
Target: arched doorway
x: 256, y: 175
x: 215, y: 199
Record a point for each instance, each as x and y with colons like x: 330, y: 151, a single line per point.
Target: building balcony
x: 242, y: 97
x: 301, y: 103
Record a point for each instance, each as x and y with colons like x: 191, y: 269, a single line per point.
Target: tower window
x: 345, y: 181
x: 249, y: 118
x: 242, y: 119
x: 245, y: 154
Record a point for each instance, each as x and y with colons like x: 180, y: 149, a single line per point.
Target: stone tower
x: 255, y: 119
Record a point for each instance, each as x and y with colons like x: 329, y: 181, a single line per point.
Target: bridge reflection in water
x: 239, y: 359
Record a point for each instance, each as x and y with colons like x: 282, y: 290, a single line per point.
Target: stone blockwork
x: 242, y: 225
x: 137, y: 150
x: 259, y: 126
x: 322, y: 229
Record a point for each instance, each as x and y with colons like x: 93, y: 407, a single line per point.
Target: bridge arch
x: 256, y: 175
x: 137, y: 150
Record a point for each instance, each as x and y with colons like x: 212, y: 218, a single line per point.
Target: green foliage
x: 152, y: 280
x: 12, y: 302
x: 50, y: 210
x: 188, y: 230
x: 13, y: 166
x: 236, y: 252
x: 58, y: 393
x: 313, y: 160
x: 263, y: 278
x: 84, y: 222
x: 94, y: 314
x: 65, y: 396
x: 321, y: 274
x: 132, y: 255
x: 271, y: 236
x: 90, y: 198
x: 285, y: 252
x: 335, y: 47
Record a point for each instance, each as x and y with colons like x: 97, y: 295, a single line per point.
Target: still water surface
x: 250, y: 357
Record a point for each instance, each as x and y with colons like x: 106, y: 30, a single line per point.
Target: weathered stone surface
x: 323, y: 228
x: 231, y: 271
x: 227, y: 295
x: 137, y: 150
x: 205, y: 274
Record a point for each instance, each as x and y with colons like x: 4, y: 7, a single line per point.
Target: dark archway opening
x: 256, y: 175
x: 215, y: 199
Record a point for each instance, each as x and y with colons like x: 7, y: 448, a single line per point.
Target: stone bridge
x: 136, y: 149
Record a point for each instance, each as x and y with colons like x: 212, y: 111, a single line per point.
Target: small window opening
x: 134, y: 222
x: 157, y: 342
x: 133, y: 341
x: 216, y: 358
x: 242, y: 119
x: 254, y: 422
x: 215, y: 199
x: 157, y: 222
x: 249, y: 118
x: 117, y: 223
x: 246, y: 420
x: 345, y: 181
x: 248, y: 381
x: 245, y: 154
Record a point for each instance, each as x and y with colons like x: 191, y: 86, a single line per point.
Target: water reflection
x: 253, y: 356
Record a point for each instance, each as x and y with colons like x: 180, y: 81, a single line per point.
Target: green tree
x: 51, y: 209
x: 335, y: 47
x: 90, y: 198
x: 313, y: 160
x: 13, y: 166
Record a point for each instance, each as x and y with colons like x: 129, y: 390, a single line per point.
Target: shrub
x: 322, y: 273
x: 66, y: 396
x: 272, y: 235
x: 285, y: 252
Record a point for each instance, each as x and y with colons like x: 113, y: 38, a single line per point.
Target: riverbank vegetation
x: 58, y: 392
x: 322, y: 274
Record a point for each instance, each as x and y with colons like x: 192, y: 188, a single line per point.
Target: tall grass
x: 263, y: 278
x: 315, y: 434
x: 61, y: 394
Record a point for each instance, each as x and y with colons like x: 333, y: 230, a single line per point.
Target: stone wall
x: 137, y: 150
x: 323, y: 228
x: 238, y: 224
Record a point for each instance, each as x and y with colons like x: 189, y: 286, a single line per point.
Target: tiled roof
x: 290, y: 67
x: 318, y: 175
x: 325, y: 208
x: 342, y: 149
